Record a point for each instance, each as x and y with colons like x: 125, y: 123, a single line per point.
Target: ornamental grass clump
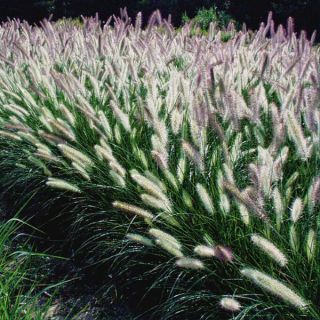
x: 181, y: 162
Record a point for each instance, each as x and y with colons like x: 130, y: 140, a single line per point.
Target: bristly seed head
x: 230, y: 304
x: 126, y: 207
x: 62, y: 184
x: 193, y: 155
x: 224, y: 254
x: 161, y: 235
x: 190, y: 263
x: 274, y: 287
x: 205, y: 198
x: 140, y: 239
x: 204, y: 251
x: 270, y: 249
x: 296, y: 210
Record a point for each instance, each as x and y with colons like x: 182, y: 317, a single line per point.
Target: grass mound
x: 184, y: 165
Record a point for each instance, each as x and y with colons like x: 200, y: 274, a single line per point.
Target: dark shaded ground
x: 77, y: 297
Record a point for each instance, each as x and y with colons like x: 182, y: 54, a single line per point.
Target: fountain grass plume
x: 275, y: 287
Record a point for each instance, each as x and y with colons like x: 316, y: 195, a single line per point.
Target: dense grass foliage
x: 21, y: 280
x: 189, y: 164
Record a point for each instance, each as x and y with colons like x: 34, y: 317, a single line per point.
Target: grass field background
x: 184, y: 164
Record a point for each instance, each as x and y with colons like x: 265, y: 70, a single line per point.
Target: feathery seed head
x: 161, y: 159
x: 148, y: 185
x: 81, y: 170
x: 315, y: 193
x: 193, y: 155
x: 156, y: 202
x: 104, y: 152
x: 270, y: 249
x: 116, y: 167
x: 205, y: 198
x: 75, y: 155
x: 296, y: 210
x: 296, y: 133
x: 62, y: 184
x: 294, y: 239
x: 169, y: 247
x: 311, y: 244
x: 224, y: 203
x: 230, y: 304
x: 190, y: 263
x: 278, y: 206
x: 228, y: 173
x: 159, y: 234
x: 120, y: 115
x: 10, y: 135
x: 62, y: 127
x: 126, y: 207
x: 140, y: 239
x: 204, y: 251
x: 224, y: 254
x: 117, y: 179
x: 187, y: 200
x: 181, y: 169
x: 274, y: 287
